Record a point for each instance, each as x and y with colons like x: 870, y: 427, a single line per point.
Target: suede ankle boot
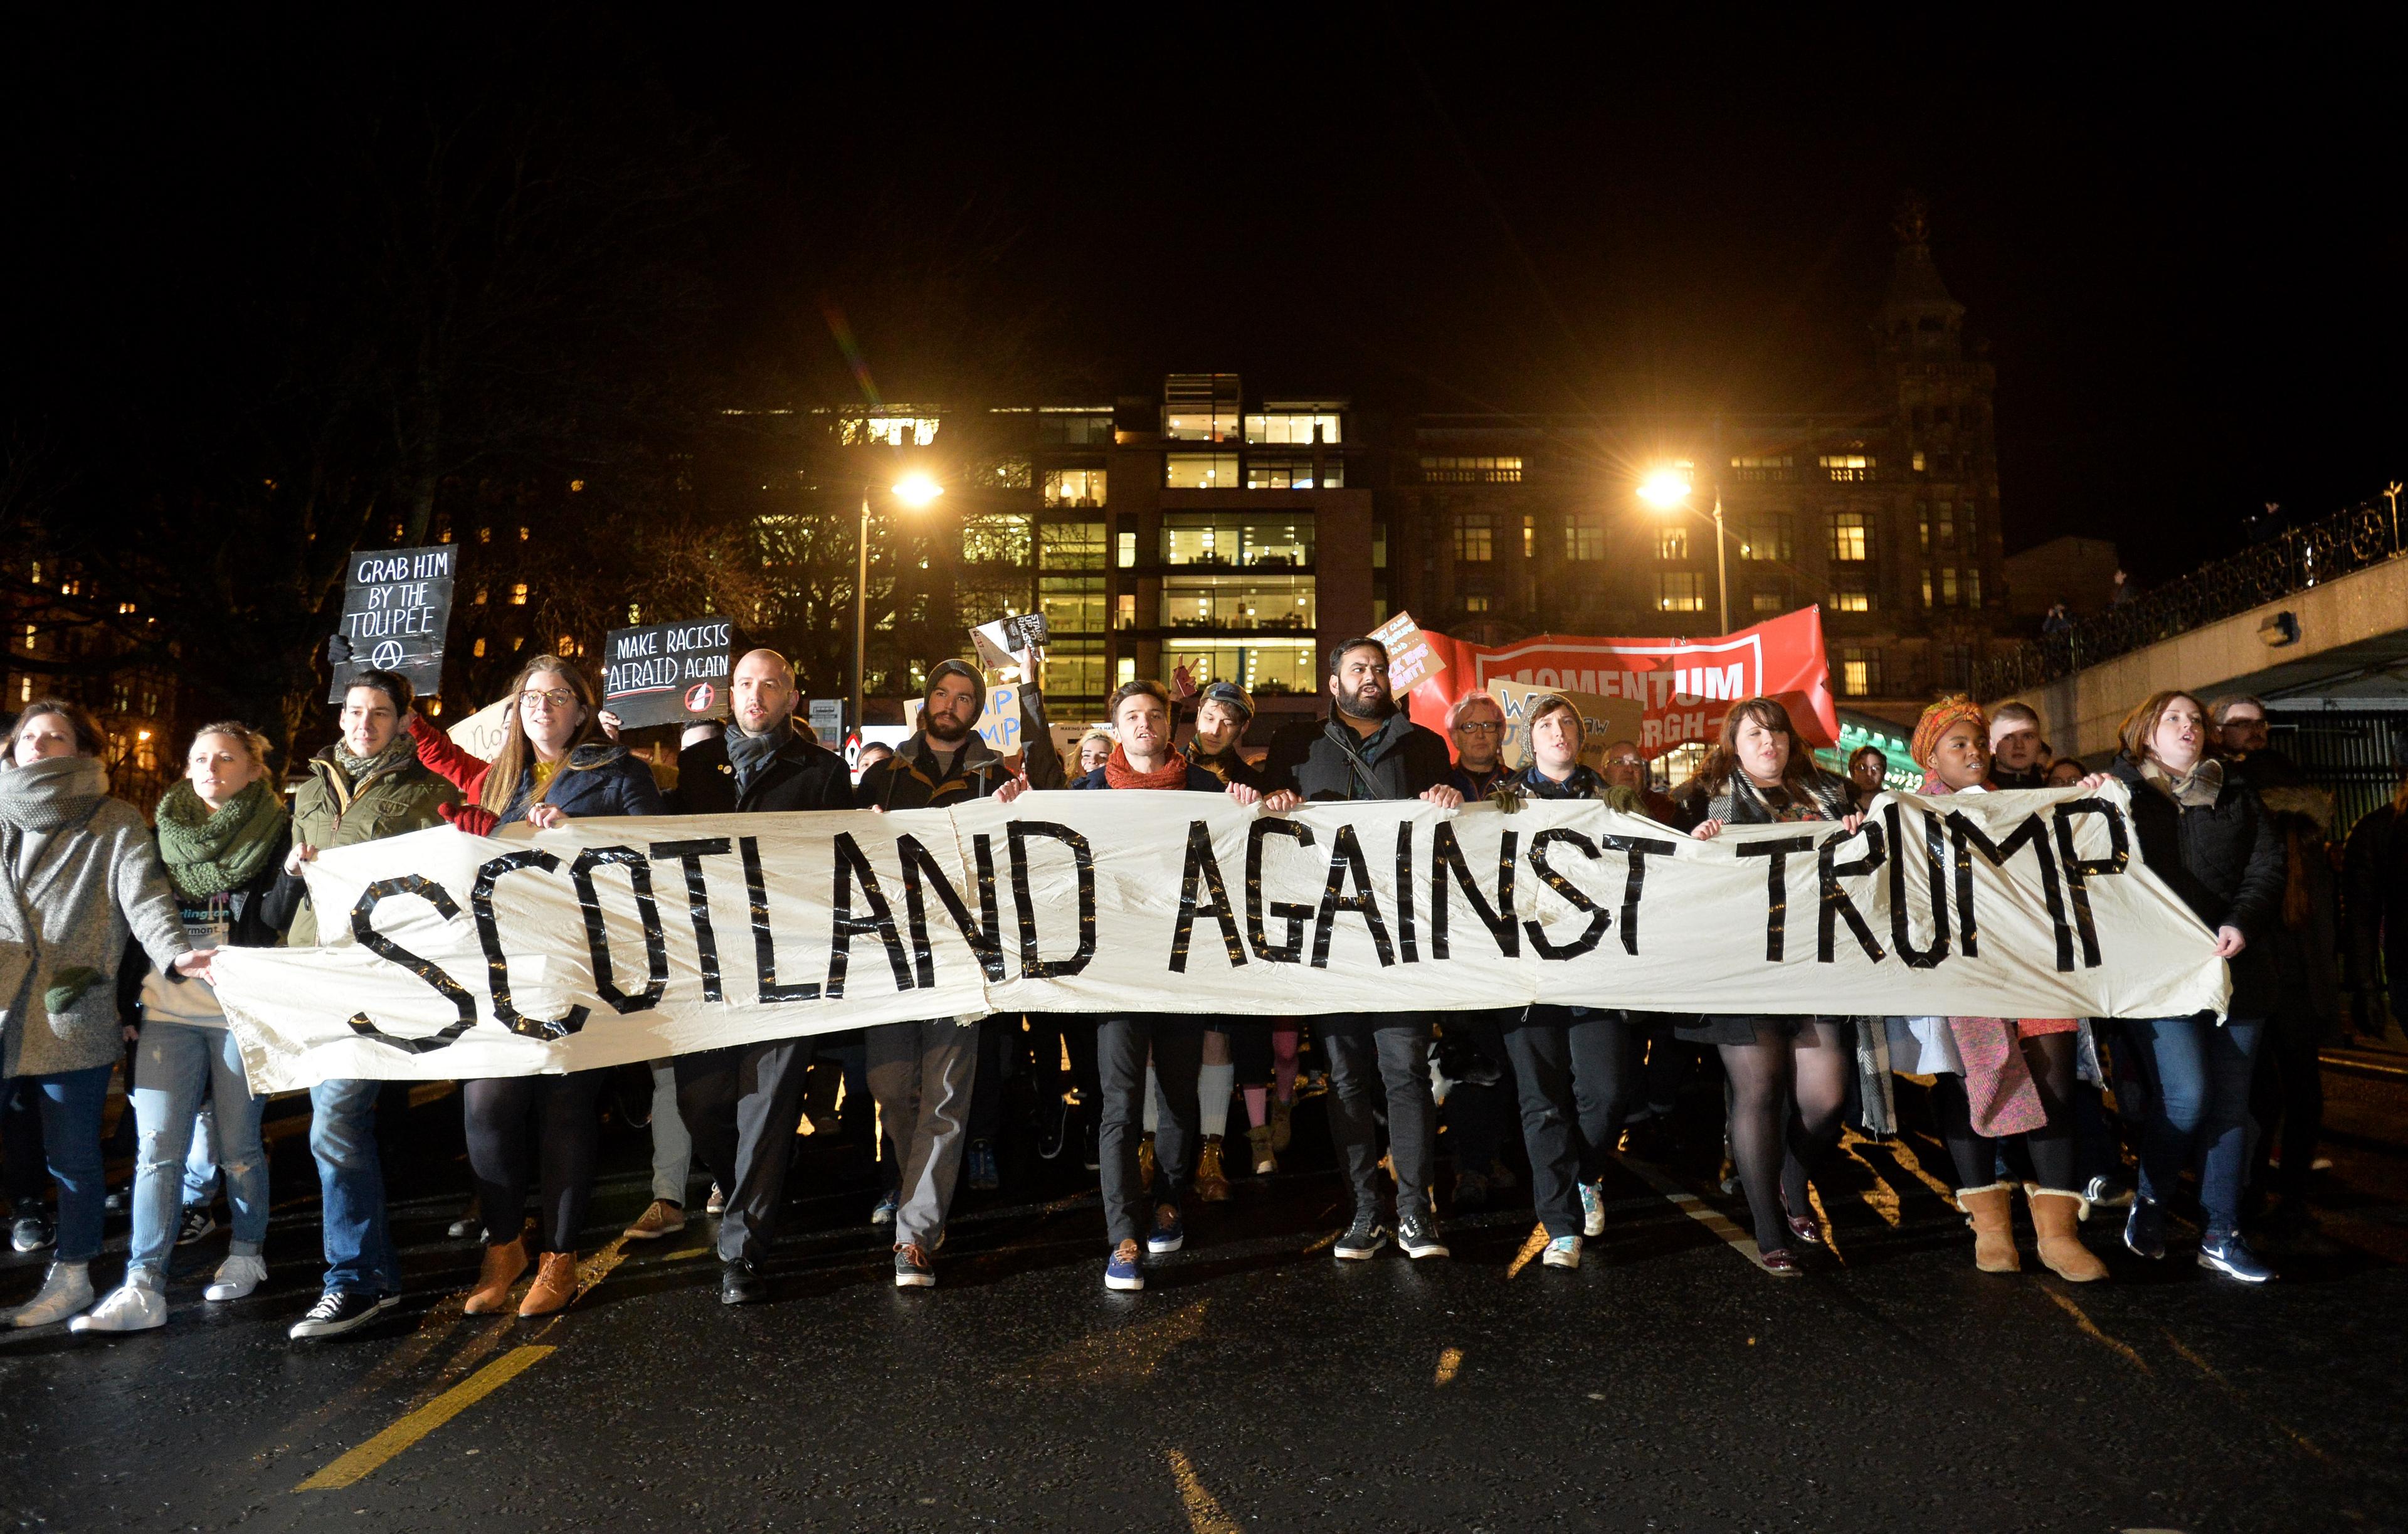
x: 554, y: 1285
x: 504, y: 1263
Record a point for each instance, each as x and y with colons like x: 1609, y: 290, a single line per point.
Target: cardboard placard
x: 481, y: 733
x: 1603, y: 720
x: 998, y: 644
x: 396, y: 605
x: 1411, y: 659
x: 667, y: 673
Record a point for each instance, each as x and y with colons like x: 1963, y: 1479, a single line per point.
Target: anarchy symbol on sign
x: 387, y: 656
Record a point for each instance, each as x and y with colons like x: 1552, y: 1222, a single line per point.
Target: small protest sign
x: 1410, y: 660
x: 1000, y: 643
x: 396, y: 604
x: 482, y: 732
x: 667, y: 673
x: 827, y: 721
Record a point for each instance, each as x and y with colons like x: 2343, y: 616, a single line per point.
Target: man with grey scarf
x: 742, y: 1104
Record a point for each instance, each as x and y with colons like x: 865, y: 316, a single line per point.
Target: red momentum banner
x: 1685, y: 685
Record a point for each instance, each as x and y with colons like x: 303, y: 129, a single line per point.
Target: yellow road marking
x: 689, y: 1252
x: 2194, y: 1361
x: 1449, y: 1363
x: 1531, y: 1248
x: 364, y: 1460
x: 1881, y: 1196
x: 1324, y: 1244
x: 1698, y: 1209
x: 2090, y: 1330
x: 1123, y: 1352
x: 1205, y: 1513
x: 1829, y: 1227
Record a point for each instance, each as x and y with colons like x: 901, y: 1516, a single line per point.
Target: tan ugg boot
x: 1992, y: 1212
x: 2057, y: 1215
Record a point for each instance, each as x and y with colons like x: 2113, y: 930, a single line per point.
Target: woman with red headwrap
x: 1996, y: 1077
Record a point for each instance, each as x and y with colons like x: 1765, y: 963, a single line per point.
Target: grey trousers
x: 921, y: 1075
x: 741, y: 1106
x: 672, y: 1147
x: 1121, y: 1046
x: 1368, y: 1052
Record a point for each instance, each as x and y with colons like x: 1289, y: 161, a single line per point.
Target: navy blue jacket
x: 594, y: 781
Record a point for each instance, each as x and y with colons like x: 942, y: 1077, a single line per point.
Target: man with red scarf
x: 1142, y: 758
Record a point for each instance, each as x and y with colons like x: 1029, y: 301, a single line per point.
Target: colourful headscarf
x: 1939, y: 720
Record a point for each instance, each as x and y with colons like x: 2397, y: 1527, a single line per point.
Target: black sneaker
x: 1363, y: 1238
x: 741, y: 1283
x: 1418, y: 1235
x: 197, y: 1222
x: 339, y: 1311
x: 1053, y: 1130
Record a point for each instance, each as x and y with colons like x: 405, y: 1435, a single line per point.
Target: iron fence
x: 2300, y: 558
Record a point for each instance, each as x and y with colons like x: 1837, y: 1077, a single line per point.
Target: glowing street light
x: 1667, y: 488
x: 915, y: 491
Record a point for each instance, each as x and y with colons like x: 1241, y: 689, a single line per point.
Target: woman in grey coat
x: 78, y: 877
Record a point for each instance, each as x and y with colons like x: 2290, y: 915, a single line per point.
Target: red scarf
x: 1119, y: 774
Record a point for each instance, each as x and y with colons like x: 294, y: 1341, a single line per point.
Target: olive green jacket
x: 331, y: 811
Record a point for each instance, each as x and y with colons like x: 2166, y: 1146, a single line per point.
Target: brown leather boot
x: 504, y: 1263
x: 1258, y: 1140
x: 1211, y: 1182
x: 554, y: 1285
x: 2057, y: 1216
x: 1992, y: 1212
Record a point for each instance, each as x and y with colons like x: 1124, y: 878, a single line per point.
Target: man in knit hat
x: 922, y: 1074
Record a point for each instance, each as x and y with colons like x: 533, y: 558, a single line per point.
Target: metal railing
x: 2299, y: 559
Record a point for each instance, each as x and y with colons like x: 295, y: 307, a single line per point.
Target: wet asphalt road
x: 1256, y: 1383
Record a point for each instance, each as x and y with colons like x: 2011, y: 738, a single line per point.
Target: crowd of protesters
x: 108, y: 928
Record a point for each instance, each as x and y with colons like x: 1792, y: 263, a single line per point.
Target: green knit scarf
x: 211, y: 852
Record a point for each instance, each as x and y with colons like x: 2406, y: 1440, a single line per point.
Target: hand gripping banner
x: 449, y: 955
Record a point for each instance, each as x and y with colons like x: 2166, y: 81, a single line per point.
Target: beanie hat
x: 957, y: 669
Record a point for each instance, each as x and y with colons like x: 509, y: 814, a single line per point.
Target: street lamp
x: 1668, y: 489
x: 915, y: 491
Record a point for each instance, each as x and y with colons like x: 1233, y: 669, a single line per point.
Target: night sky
x: 2188, y: 259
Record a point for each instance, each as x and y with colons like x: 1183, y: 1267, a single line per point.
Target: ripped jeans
x: 175, y: 1064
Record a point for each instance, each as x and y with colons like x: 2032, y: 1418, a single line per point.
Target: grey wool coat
x: 90, y: 881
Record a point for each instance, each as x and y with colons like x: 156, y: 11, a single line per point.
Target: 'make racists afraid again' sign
x: 667, y: 673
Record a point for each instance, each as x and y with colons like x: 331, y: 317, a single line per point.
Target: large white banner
x: 608, y: 940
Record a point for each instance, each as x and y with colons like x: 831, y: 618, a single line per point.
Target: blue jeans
x: 70, y: 1104
x: 174, y: 1064
x: 2195, y: 1075
x: 360, y: 1258
x: 201, y: 1165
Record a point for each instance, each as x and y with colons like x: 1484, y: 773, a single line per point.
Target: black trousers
x: 533, y: 1129
x: 742, y: 1106
x: 1122, y: 1046
x: 1051, y: 1034
x: 1369, y: 1052
x: 21, y: 1162
x: 1478, y: 1116
x: 1570, y: 1064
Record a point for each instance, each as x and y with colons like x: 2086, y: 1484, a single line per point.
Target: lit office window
x: 1847, y: 468
x: 1074, y: 487
x: 1002, y: 540
x: 1673, y: 543
x: 1301, y: 427
x: 1761, y: 466
x: 1199, y: 470
x: 1471, y: 471
x: 1474, y: 538
x: 1850, y: 594
x: 1765, y: 536
x: 1071, y: 546
x: 1584, y: 538
x: 1851, y: 539
x: 1766, y: 601
x: 894, y: 431
x: 1476, y: 602
x: 1860, y: 672
x: 1679, y: 591
x: 1293, y: 474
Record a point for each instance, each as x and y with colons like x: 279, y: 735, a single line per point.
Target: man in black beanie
x: 922, y: 1074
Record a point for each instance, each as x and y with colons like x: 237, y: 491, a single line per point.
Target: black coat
x: 1325, y: 759
x: 2224, y: 860
x: 805, y: 775
x: 2374, y: 899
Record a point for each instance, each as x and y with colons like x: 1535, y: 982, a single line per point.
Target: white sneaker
x: 66, y: 1288
x: 237, y: 1277
x: 129, y: 1306
x: 1563, y: 1251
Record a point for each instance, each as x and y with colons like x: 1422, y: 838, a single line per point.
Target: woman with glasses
x: 555, y: 763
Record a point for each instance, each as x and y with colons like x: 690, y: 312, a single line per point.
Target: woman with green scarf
x: 223, y: 835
